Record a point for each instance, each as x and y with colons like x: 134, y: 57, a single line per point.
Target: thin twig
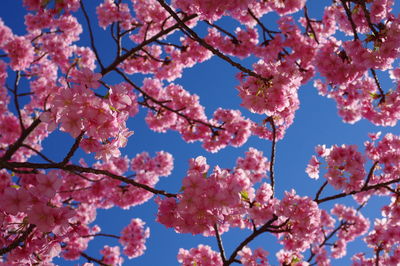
x: 44, y: 157
x: 131, y: 52
x: 326, y: 238
x: 382, y: 93
x: 25, y: 133
x: 90, y: 259
x: 220, y: 244
x: 233, y: 37
x: 92, y: 43
x: 273, y: 152
x: 349, y: 17
x: 101, y: 234
x: 81, y: 169
x: 74, y: 147
x: 370, y: 174
x: 18, y: 240
x: 250, y: 238
x: 265, y: 30
x: 368, y: 17
x: 309, y: 25
x: 210, y: 47
x: 367, y: 188
x: 16, y: 101
x: 320, y: 190
x: 161, y: 104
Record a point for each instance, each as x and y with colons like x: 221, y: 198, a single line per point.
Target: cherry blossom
x: 96, y: 71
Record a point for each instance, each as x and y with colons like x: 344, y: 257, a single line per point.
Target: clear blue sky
x: 316, y: 123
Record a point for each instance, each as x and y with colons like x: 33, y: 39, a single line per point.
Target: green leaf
x: 245, y: 195
x: 114, y: 109
x: 257, y: 204
x: 15, y: 186
x: 355, y: 10
x: 375, y: 95
x: 295, y: 260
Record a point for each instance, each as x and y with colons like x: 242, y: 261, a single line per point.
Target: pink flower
x: 313, y: 168
x: 259, y: 258
x: 20, y: 51
x: 42, y: 216
x: 202, y: 255
x: 133, y: 238
x: 48, y: 184
x: 15, y: 200
x: 88, y: 78
x: 111, y: 256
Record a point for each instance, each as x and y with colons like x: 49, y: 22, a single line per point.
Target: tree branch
x: 309, y: 25
x: 320, y: 190
x: 326, y: 238
x: 220, y: 244
x: 92, y: 43
x: 44, y: 157
x: 208, y: 46
x: 273, y: 151
x: 131, y: 52
x: 367, y: 188
x: 90, y: 259
x: 18, y: 240
x: 250, y: 238
x: 101, y: 234
x: 161, y: 104
x: 73, y: 148
x: 370, y: 174
x: 348, y: 13
x: 16, y: 101
x: 25, y: 133
x: 77, y: 168
x: 382, y: 93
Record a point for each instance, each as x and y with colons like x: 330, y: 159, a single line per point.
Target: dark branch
x: 320, y: 190
x: 368, y: 17
x: 370, y: 174
x: 161, y: 104
x: 233, y: 37
x: 44, y: 157
x: 382, y: 94
x: 101, y: 234
x: 73, y: 148
x: 326, y: 238
x: 18, y: 240
x: 273, y: 151
x: 367, y: 188
x: 16, y: 101
x: 220, y: 244
x: 92, y: 43
x: 25, y: 133
x: 91, y: 259
x: 131, y: 52
x: 209, y: 47
x: 348, y: 13
x: 80, y: 169
x: 309, y: 25
x: 250, y: 238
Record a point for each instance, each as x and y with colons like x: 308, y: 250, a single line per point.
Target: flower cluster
x: 354, y: 224
x: 133, y: 238
x: 202, y: 255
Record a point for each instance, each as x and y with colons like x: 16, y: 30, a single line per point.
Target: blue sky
x: 316, y: 123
